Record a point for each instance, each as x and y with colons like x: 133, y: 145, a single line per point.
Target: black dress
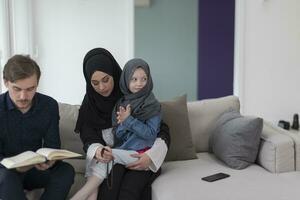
x: 126, y: 184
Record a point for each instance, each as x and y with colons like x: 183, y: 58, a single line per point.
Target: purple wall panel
x: 215, y: 48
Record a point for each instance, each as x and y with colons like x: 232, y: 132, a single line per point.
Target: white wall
x: 58, y: 33
x: 15, y: 26
x: 4, y: 37
x: 66, y: 29
x: 268, y: 42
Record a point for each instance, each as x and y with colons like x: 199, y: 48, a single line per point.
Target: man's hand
x: 142, y: 163
x: 107, y: 154
x: 45, y: 166
x: 123, y: 113
x: 24, y: 169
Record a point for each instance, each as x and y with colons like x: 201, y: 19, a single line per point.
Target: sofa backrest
x: 68, y: 117
x: 203, y: 115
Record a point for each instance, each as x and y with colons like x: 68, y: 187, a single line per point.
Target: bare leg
x: 89, y: 190
x: 94, y: 195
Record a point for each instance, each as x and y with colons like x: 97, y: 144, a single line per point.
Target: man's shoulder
x: 2, y: 102
x: 46, y: 100
x: 2, y: 97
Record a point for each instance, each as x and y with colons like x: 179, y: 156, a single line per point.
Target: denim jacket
x: 137, y: 135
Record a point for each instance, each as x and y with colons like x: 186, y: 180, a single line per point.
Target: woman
x: 102, y: 74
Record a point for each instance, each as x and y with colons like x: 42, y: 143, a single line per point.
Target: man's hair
x: 20, y: 67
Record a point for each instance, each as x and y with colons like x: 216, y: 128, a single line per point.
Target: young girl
x: 136, y: 119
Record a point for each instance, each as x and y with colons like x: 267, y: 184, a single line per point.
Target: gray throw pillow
x: 235, y: 139
x: 175, y: 115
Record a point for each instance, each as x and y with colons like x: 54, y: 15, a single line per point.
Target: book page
x: 24, y: 159
x: 57, y: 154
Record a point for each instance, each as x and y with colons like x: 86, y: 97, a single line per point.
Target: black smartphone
x: 215, y: 177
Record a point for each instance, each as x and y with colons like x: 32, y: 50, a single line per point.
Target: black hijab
x: 143, y: 103
x: 96, y: 110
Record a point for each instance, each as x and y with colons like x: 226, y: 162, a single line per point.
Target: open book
x: 41, y: 155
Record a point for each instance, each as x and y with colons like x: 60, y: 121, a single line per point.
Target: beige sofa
x: 272, y: 177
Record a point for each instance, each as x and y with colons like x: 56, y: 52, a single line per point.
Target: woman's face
x: 102, y: 83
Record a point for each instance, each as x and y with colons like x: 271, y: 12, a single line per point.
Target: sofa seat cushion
x: 78, y: 164
x: 182, y: 180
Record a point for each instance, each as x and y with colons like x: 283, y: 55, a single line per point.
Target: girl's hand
x: 142, y: 163
x: 106, y: 156
x: 123, y: 113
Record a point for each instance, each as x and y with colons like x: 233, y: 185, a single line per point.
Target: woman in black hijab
x: 102, y: 74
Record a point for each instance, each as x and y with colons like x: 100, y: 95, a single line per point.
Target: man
x: 29, y: 121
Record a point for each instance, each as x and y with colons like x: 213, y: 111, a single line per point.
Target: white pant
x: 120, y: 156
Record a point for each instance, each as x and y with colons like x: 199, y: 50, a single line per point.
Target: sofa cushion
x: 235, y: 140
x: 68, y: 117
x: 182, y: 180
x: 175, y: 114
x: 203, y: 115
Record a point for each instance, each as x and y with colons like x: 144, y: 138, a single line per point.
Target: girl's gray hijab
x: 143, y: 103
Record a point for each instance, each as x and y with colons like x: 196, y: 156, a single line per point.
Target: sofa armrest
x: 276, y: 152
x: 296, y: 139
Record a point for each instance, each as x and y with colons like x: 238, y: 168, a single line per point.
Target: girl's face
x: 138, y: 80
x: 102, y: 83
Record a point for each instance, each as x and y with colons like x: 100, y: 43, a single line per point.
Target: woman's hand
x: 123, y: 113
x: 107, y: 154
x: 142, y: 163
